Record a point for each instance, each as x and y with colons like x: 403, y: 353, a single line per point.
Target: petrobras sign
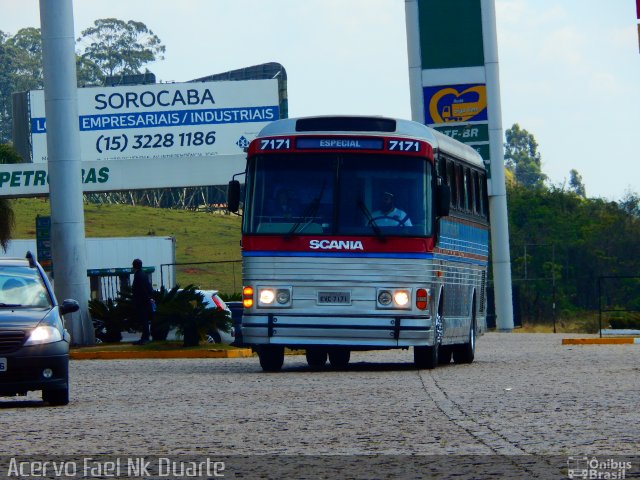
x: 164, y: 120
x: 32, y: 179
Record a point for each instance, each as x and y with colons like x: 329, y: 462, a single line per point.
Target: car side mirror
x: 443, y: 200
x: 233, y: 196
x: 69, y: 306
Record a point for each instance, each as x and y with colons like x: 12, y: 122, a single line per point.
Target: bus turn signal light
x: 247, y: 297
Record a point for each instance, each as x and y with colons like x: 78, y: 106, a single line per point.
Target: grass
x: 200, y: 236
x: 586, y: 322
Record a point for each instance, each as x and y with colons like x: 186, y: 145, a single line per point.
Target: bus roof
x: 370, y: 125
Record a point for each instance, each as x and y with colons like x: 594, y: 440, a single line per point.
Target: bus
x: 362, y: 233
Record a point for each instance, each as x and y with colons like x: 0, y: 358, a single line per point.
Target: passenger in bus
x: 389, y: 215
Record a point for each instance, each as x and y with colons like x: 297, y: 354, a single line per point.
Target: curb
x: 105, y: 355
x: 600, y: 341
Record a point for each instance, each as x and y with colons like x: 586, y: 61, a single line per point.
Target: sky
x: 569, y: 69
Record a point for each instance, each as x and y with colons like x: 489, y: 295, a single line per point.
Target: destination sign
x: 292, y: 144
x: 340, y: 143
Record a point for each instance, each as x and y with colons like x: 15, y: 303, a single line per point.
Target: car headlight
x: 44, y: 334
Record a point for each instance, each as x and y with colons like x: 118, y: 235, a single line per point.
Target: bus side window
x: 477, y: 206
x: 466, y: 190
x: 451, y: 181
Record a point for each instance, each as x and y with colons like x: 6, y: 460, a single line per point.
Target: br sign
x: 157, y: 121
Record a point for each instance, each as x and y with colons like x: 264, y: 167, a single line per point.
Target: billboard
x: 32, y: 179
x: 178, y: 120
x: 460, y: 111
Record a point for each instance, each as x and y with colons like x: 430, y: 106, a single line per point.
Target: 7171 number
x: 404, y: 145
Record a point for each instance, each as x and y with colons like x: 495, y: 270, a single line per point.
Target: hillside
x: 200, y: 236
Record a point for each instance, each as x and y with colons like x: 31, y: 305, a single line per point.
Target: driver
x: 389, y: 215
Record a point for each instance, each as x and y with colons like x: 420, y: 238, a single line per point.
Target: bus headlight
x: 283, y: 296
x: 390, y: 298
x: 384, y: 298
x: 401, y: 298
x: 274, y: 297
x: 267, y: 296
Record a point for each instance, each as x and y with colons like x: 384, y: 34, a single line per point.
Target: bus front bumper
x: 384, y: 331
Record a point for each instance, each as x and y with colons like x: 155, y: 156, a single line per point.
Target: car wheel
x: 339, y: 358
x: 214, y: 337
x: 316, y: 358
x: 59, y: 396
x: 271, y: 357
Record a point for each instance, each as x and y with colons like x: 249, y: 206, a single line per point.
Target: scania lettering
x: 362, y: 233
x: 335, y: 245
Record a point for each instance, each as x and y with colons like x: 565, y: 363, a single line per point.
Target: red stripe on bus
x: 320, y: 243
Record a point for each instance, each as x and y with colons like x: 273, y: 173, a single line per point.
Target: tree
x: 522, y: 157
x: 117, y: 47
x: 28, y: 71
x: 7, y: 62
x: 20, y: 70
x: 7, y: 217
x: 576, y: 185
x: 630, y: 204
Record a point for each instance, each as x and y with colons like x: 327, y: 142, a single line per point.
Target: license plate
x: 3, y: 364
x: 334, y: 298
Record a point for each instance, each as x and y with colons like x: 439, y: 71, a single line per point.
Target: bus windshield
x: 341, y: 194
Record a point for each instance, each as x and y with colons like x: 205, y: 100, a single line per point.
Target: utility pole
x: 65, y: 181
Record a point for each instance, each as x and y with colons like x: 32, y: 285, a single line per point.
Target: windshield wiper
x: 10, y: 305
x: 308, y: 214
x: 370, y: 221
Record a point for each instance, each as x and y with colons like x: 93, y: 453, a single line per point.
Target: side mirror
x: 69, y: 306
x: 233, y: 196
x: 443, y: 200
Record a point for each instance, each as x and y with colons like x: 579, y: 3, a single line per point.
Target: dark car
x: 34, y: 345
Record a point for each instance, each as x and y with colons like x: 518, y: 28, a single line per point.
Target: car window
x: 22, y: 286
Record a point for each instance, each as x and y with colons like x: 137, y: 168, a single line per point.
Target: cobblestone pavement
x: 525, y: 394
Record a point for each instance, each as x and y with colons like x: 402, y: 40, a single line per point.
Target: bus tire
x: 339, y: 358
x: 271, y: 357
x: 425, y: 357
x: 444, y: 355
x: 465, y: 353
x: 316, y: 358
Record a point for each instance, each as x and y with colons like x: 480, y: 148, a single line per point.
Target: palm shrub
x: 186, y: 310
x: 113, y: 317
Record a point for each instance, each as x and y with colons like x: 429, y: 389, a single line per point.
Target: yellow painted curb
x: 106, y: 355
x: 600, y: 341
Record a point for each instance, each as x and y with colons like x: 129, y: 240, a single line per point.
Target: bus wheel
x: 465, y: 353
x: 339, y: 358
x: 444, y: 355
x: 426, y: 357
x: 271, y: 357
x: 316, y: 358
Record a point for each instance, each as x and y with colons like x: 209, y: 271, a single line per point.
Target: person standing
x: 142, y: 294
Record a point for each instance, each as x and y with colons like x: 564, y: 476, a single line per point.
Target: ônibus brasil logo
x: 336, y: 245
